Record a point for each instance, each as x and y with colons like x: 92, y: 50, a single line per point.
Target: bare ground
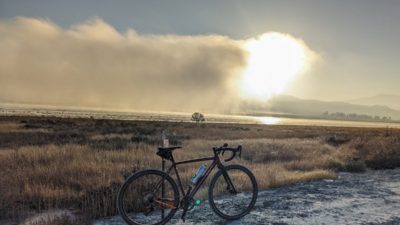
x: 368, y: 198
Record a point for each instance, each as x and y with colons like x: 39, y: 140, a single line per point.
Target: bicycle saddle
x: 169, y: 148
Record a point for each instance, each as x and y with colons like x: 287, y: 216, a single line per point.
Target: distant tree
x: 198, y: 117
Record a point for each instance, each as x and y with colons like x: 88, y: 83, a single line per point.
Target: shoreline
x: 210, y: 118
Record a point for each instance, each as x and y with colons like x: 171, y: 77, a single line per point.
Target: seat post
x: 165, y: 143
x: 162, y: 186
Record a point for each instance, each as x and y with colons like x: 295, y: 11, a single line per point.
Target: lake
x: 183, y: 117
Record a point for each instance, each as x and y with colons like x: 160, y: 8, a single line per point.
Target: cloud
x: 93, y: 65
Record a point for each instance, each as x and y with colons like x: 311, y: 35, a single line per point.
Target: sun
x: 274, y: 59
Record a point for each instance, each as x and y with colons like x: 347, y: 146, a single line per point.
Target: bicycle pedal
x: 185, y: 209
x: 183, y: 217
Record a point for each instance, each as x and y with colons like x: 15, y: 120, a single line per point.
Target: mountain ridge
x: 310, y: 107
x: 390, y: 100
x: 293, y: 107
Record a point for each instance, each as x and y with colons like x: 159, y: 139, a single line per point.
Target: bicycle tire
x: 135, y: 176
x: 254, y: 192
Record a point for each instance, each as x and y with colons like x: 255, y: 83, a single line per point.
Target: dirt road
x: 366, y: 198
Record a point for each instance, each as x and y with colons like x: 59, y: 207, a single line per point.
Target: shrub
x: 356, y: 166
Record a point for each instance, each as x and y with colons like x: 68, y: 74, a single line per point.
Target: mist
x: 93, y: 65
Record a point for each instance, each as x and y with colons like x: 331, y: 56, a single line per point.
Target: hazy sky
x: 357, y: 40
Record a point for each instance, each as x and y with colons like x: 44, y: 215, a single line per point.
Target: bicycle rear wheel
x: 229, y: 202
x: 141, y: 201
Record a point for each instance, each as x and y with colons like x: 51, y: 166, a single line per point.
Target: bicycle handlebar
x: 224, y: 148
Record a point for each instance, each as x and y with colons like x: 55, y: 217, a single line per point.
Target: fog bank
x: 93, y: 65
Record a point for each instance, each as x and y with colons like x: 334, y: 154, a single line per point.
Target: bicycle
x: 153, y: 197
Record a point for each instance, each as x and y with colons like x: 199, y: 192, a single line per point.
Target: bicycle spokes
x: 144, y: 204
x: 233, y: 192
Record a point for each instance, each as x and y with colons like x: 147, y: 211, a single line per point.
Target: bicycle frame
x: 153, y: 200
x: 215, y: 162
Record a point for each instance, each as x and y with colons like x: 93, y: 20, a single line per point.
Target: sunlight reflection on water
x: 182, y: 117
x: 269, y: 120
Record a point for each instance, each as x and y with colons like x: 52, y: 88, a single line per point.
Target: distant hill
x: 305, y: 107
x: 392, y: 101
x: 290, y: 106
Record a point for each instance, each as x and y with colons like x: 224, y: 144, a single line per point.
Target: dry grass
x: 382, y: 152
x: 71, y: 175
x: 79, y: 164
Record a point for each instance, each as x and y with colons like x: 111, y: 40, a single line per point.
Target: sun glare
x: 274, y: 60
x: 268, y: 120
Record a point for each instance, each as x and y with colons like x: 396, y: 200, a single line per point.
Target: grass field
x: 79, y: 164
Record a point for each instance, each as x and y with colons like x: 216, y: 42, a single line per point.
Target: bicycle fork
x: 228, y: 180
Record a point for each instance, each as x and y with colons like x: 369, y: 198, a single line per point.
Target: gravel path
x: 368, y: 198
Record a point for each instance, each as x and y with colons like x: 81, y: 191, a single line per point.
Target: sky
x: 356, y: 42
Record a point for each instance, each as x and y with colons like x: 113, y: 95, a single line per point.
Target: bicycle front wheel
x: 148, y: 197
x: 233, y: 194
